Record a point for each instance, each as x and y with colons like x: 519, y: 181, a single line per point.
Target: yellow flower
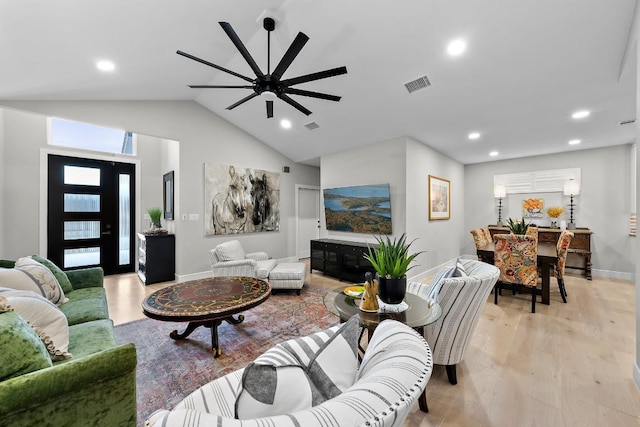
x: 554, y: 211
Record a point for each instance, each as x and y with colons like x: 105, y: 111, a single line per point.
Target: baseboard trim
x: 608, y: 274
x: 636, y: 374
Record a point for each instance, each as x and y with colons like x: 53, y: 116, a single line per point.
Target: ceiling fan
x: 271, y: 84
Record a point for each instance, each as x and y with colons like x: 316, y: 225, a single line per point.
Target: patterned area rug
x: 169, y: 370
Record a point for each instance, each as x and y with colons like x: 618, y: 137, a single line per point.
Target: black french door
x: 91, y: 214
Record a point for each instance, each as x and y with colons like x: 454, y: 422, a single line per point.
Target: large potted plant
x: 391, y: 261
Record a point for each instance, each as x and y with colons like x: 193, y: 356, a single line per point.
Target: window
x: 67, y: 133
x: 548, y: 181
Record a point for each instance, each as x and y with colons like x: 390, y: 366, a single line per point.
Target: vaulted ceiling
x: 528, y: 65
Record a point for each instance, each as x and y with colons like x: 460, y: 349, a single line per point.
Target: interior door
x: 91, y: 205
x: 308, y: 219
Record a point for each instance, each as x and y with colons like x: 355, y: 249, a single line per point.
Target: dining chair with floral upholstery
x: 562, y: 247
x: 532, y: 231
x: 516, y: 256
x: 481, y: 238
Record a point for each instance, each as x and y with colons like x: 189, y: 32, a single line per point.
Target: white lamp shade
x: 499, y: 191
x: 571, y: 188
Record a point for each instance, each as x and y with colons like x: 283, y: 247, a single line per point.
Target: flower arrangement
x: 555, y: 211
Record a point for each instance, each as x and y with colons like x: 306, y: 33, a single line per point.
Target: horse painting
x: 240, y: 200
x: 261, y: 203
x: 229, y: 210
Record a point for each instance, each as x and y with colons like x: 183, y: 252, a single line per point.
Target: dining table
x: 547, y: 258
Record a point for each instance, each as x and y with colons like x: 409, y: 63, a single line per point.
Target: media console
x: 341, y: 259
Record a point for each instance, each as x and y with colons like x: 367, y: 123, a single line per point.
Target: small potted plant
x: 155, y: 214
x: 517, y: 227
x: 391, y: 261
x: 554, y: 212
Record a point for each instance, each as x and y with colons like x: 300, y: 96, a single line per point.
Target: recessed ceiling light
x: 285, y: 123
x: 105, y: 65
x: 580, y: 114
x: 474, y: 135
x: 493, y: 153
x: 456, y: 47
x: 575, y: 142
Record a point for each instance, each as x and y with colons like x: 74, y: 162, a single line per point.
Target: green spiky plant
x: 155, y: 214
x: 517, y: 227
x: 391, y: 259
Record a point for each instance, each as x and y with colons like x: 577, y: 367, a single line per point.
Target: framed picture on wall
x: 167, y: 180
x: 439, y: 198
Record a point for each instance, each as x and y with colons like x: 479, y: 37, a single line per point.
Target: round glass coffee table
x: 417, y: 315
x: 206, y: 302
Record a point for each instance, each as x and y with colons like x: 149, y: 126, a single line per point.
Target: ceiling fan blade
x: 219, y: 87
x: 242, y: 101
x: 240, y: 46
x: 269, y: 109
x: 294, y: 104
x: 314, y: 76
x: 291, y: 53
x: 210, y: 64
x: 300, y: 92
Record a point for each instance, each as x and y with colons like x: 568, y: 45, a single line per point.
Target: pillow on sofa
x: 22, y: 351
x: 48, y: 321
x: 44, y: 279
x: 230, y: 251
x: 459, y: 270
x: 300, y: 373
x: 65, y: 284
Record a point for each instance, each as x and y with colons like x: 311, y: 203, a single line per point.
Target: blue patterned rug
x: 169, y: 370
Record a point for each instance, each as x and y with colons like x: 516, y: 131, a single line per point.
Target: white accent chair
x: 393, y: 374
x: 229, y: 259
x: 462, y: 300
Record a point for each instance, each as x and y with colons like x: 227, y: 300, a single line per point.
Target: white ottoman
x: 288, y: 275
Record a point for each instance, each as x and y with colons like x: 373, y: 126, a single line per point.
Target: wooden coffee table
x: 206, y: 302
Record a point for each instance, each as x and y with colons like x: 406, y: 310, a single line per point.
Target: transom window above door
x: 68, y: 133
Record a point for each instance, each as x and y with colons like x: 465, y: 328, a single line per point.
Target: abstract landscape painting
x: 240, y: 200
x: 358, y: 209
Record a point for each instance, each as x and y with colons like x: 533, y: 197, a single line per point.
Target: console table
x: 579, y: 254
x: 341, y: 259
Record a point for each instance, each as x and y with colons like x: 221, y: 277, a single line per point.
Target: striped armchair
x: 229, y: 259
x: 393, y: 374
x: 462, y: 300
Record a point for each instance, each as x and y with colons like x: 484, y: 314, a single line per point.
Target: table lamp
x: 499, y: 192
x: 571, y: 188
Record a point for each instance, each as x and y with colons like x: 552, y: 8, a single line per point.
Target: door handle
x: 106, y: 233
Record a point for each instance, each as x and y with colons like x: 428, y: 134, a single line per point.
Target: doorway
x: 308, y: 218
x: 90, y: 213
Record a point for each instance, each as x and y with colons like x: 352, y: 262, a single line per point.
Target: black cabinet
x: 341, y: 259
x: 156, y: 258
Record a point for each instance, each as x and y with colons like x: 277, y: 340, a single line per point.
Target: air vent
x: 312, y: 125
x: 627, y: 122
x: 417, y: 84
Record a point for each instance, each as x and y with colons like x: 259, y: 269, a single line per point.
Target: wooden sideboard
x: 579, y: 256
x: 341, y: 259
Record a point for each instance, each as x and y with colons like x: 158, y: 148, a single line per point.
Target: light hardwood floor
x: 566, y: 365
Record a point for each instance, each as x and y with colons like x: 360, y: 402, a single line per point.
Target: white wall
x: 2, y: 189
x: 406, y: 165
x: 378, y: 163
x: 440, y: 239
x: 203, y: 137
x: 602, y: 206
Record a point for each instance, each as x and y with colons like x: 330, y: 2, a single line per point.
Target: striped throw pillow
x: 300, y: 373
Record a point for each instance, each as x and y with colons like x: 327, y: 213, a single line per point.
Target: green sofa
x: 96, y: 387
